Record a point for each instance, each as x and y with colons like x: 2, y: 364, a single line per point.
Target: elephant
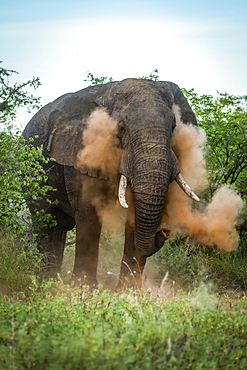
x: 139, y: 114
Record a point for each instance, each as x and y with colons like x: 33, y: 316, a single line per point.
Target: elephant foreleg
x: 132, y: 264
x: 88, y: 229
x: 52, y: 248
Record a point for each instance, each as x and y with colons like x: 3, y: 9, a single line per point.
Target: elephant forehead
x: 156, y: 120
x: 141, y: 91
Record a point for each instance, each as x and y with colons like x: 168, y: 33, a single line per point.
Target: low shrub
x: 82, y: 329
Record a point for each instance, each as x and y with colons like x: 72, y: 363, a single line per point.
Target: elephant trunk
x: 149, y: 187
x: 148, y: 210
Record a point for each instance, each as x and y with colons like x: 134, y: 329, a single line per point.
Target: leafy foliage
x: 224, y: 118
x: 22, y: 177
x: 152, y: 76
x: 97, y: 80
x: 14, y: 97
x: 90, y: 330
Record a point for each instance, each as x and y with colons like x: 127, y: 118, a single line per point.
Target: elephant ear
x: 64, y: 137
x: 89, y: 143
x: 67, y: 120
x: 65, y: 143
x: 179, y: 100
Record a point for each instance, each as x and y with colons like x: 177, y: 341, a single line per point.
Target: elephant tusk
x: 122, y: 191
x: 186, y: 188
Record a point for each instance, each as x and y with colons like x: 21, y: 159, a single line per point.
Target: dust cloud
x: 111, y: 213
x: 101, y: 148
x: 102, y: 153
x: 215, y: 224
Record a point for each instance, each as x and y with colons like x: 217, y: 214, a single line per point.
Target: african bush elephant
x: 103, y: 135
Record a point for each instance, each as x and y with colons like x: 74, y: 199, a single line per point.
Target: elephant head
x: 145, y: 120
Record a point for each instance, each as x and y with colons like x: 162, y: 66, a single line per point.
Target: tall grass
x: 17, y: 265
x: 185, y: 266
x: 189, y: 266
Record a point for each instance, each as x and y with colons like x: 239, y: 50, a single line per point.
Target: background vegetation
x: 194, y: 317
x: 21, y: 177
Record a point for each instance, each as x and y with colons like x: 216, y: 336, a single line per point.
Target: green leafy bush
x: 98, y: 330
x: 224, y: 118
x: 22, y: 177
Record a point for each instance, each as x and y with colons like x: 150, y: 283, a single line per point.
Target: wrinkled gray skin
x: 143, y: 110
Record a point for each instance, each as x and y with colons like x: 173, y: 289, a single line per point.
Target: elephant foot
x: 129, y: 281
x: 79, y: 281
x: 130, y: 275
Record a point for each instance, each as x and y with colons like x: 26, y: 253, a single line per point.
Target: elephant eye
x: 173, y: 123
x: 121, y: 129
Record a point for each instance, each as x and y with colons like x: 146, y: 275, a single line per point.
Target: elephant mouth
x: 179, y: 179
x: 160, y: 237
x: 166, y: 233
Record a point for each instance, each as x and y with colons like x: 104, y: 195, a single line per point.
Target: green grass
x: 59, y: 327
